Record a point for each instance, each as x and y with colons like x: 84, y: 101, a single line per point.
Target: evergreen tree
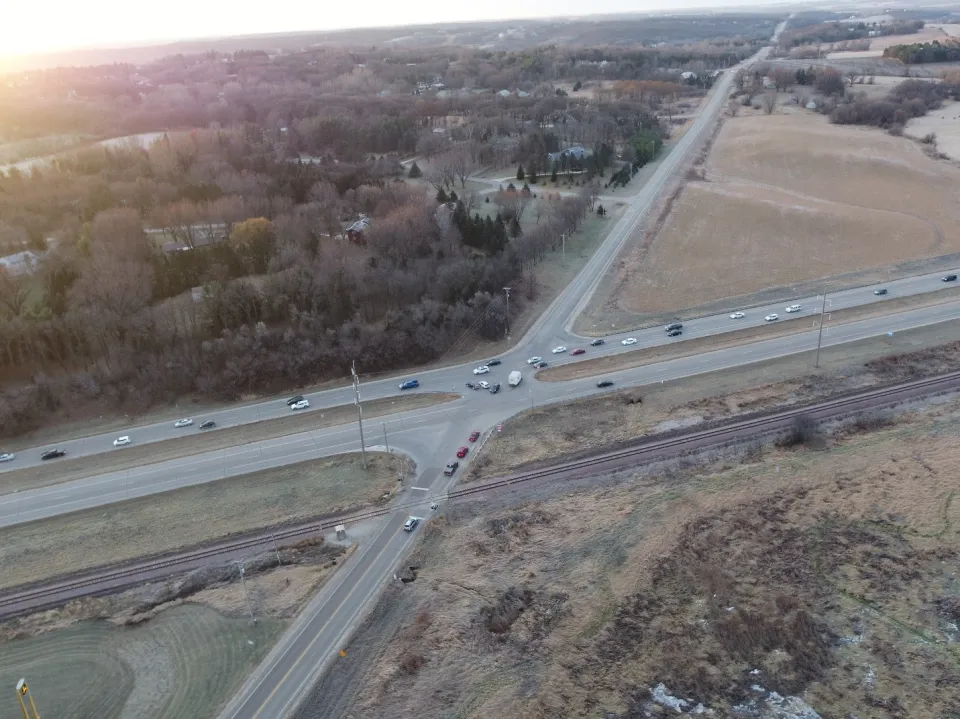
x: 414, y: 171
x: 441, y: 196
x: 533, y: 177
x: 553, y: 173
x: 515, y: 230
x: 519, y: 172
x: 453, y: 196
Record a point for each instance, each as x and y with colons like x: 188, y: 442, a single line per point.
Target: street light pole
x: 507, y: 292
x: 823, y: 309
x: 245, y: 592
x: 356, y: 391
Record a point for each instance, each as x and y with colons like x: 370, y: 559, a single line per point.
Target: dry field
x: 944, y: 123
x: 826, y: 575
x: 193, y: 515
x: 788, y: 199
x: 879, y: 44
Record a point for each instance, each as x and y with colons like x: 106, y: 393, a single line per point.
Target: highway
x: 430, y: 435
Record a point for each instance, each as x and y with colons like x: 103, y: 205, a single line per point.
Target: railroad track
x: 32, y: 598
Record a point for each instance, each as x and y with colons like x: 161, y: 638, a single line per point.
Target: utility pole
x: 245, y: 592
x: 356, y: 391
x: 507, y: 291
x: 823, y: 309
x: 385, y: 436
x: 563, y: 248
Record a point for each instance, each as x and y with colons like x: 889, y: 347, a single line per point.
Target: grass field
x: 546, y: 433
x: 788, y: 199
x: 826, y: 574
x: 167, y: 521
x: 45, y: 474
x: 186, y: 662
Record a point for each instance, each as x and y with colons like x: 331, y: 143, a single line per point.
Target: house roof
x: 360, y: 225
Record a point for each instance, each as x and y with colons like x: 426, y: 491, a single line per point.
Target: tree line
x: 925, y: 52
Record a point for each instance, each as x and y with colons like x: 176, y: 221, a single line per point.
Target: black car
x: 674, y: 326
x: 541, y: 364
x: 596, y: 343
x: 949, y: 278
x: 209, y: 424
x: 881, y: 291
x: 493, y: 363
x: 53, y: 454
x: 674, y: 333
x: 451, y: 468
x: 294, y: 400
x: 471, y: 385
x: 605, y: 383
x: 494, y: 388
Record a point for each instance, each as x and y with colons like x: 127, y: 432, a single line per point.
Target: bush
x: 929, y: 139
x: 411, y: 662
x: 803, y: 431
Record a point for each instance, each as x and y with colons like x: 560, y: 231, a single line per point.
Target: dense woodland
x: 921, y: 52
x: 215, y: 262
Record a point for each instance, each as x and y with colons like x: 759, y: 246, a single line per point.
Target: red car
x: 462, y: 452
x: 579, y: 351
x: 474, y: 436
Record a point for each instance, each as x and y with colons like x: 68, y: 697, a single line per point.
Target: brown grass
x: 184, y: 517
x: 546, y: 433
x: 817, y: 569
x: 790, y: 198
x: 136, y: 455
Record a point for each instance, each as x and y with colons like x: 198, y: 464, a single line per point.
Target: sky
x: 32, y: 26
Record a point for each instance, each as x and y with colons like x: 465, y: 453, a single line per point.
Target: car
x: 771, y: 318
x: 483, y: 385
x: 410, y: 384
x: 881, y: 291
x: 294, y: 400
x: 596, y: 343
x: 120, y: 441
x: 559, y: 350
x: 53, y: 454
x: 183, y: 423
x: 471, y: 385
x: 629, y: 341
x: 482, y: 369
x: 462, y: 452
x: 411, y: 523
x: 6, y: 456
x: 494, y: 388
x: 794, y: 308
x: 541, y: 365
x: 605, y: 383
x: 674, y: 333
x: 948, y: 278
x: 451, y: 468
x: 474, y: 436
x: 673, y: 326
x: 737, y: 316
x: 302, y: 404
x: 534, y: 360
x: 493, y: 363
x: 209, y: 424
x: 579, y: 351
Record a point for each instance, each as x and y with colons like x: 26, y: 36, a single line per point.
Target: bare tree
x: 733, y: 107
x: 769, y: 102
x: 852, y: 75
x: 13, y: 292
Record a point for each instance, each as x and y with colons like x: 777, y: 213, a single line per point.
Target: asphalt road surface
x: 429, y: 435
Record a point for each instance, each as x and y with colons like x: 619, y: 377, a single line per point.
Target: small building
x: 355, y: 231
x: 688, y: 76
x: 575, y: 151
x: 769, y: 84
x: 21, y: 263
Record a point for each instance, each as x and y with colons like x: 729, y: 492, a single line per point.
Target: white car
x: 120, y: 441
x: 737, y: 316
x: 794, y: 308
x: 183, y: 423
x: 559, y: 350
x: 6, y: 456
x: 302, y: 404
x: 770, y: 318
x: 534, y: 360
x: 629, y: 341
x: 483, y: 385
x: 482, y: 369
